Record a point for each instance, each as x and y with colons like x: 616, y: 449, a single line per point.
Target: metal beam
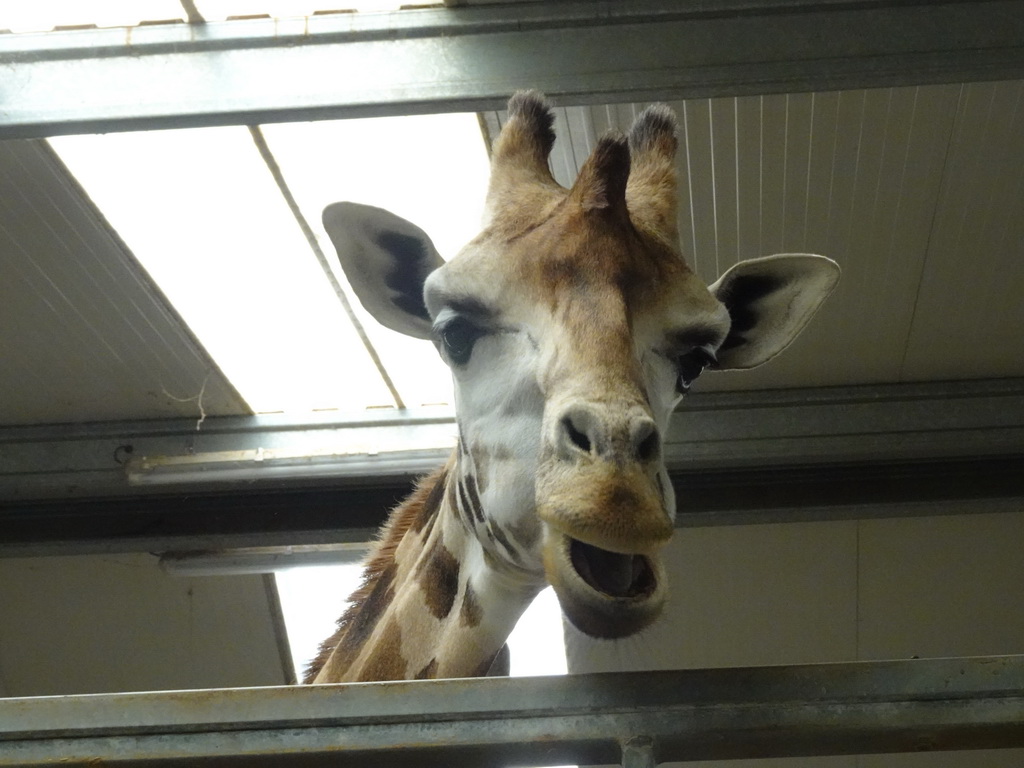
x: 471, y: 59
x: 820, y: 454
x: 200, y: 520
x: 832, y: 709
x: 833, y: 426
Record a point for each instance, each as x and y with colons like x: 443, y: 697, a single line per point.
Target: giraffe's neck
x: 433, y: 603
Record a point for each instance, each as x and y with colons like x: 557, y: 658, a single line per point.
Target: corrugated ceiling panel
x: 969, y: 320
x: 851, y: 175
x: 84, y: 336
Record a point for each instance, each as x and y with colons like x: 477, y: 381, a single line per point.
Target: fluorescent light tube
x: 255, y: 560
x: 267, y: 464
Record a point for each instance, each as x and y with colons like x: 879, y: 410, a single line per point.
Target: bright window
x: 313, y: 598
x: 200, y: 210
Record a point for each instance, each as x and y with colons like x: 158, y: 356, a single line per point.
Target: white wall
x: 119, y: 623
x: 840, y: 591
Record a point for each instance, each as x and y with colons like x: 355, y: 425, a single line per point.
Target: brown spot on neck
x: 439, y: 579
x: 503, y: 539
x: 432, y: 502
x: 469, y: 481
x: 471, y: 612
x: 373, y: 607
x: 496, y: 665
x: 429, y: 672
x: 385, y: 662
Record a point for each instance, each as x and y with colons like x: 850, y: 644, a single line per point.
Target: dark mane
x: 411, y: 513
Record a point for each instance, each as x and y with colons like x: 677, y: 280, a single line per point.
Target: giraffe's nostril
x: 588, y: 431
x: 648, y: 447
x: 576, y: 436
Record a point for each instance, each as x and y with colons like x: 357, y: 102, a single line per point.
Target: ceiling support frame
x: 471, y: 58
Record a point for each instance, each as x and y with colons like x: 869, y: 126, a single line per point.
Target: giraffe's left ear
x: 386, y: 260
x: 770, y: 300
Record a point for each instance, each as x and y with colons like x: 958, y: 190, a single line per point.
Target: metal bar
x: 891, y: 423
x: 832, y: 709
x: 92, y: 460
x: 470, y: 59
x: 734, y: 458
x: 241, y: 561
x: 833, y: 426
x: 204, y: 520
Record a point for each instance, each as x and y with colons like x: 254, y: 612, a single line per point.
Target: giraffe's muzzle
x: 605, y: 523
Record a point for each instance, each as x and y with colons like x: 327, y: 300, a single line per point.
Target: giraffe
x: 573, y: 327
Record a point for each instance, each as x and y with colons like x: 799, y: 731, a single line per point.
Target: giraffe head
x: 573, y: 326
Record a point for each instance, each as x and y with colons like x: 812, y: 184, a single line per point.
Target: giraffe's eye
x: 458, y: 336
x: 691, y: 365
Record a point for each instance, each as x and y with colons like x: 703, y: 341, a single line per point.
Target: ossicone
x: 601, y: 184
x: 630, y: 176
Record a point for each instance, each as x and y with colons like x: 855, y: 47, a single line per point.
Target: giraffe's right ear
x: 386, y: 260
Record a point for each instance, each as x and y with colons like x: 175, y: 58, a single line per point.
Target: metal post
x: 638, y: 752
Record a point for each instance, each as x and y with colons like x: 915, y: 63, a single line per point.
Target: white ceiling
x: 84, y: 334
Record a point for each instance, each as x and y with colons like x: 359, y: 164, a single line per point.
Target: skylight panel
x: 201, y: 212
x: 218, y: 10
x: 429, y: 169
x: 45, y: 15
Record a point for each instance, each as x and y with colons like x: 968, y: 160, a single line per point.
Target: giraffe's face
x: 572, y: 327
x: 569, y: 346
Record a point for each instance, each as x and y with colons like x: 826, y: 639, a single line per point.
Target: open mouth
x: 604, y: 594
x: 612, y: 573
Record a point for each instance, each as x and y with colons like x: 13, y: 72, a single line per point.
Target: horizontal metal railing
x: 636, y: 718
